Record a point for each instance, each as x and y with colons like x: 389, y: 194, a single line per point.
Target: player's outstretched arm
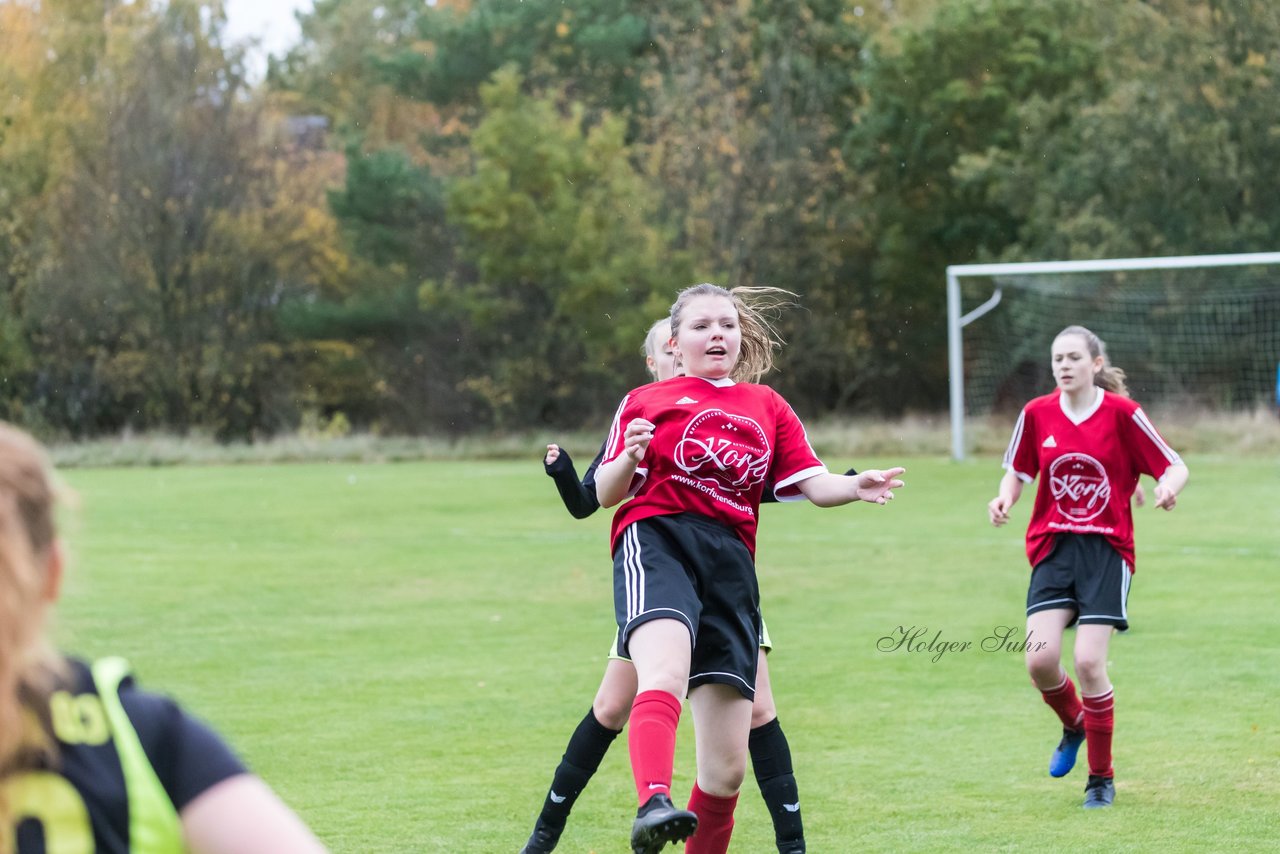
x: 832, y: 490
x: 242, y: 815
x: 1010, y: 491
x: 769, y: 497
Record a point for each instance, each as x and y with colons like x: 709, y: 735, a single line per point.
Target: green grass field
x: 402, y: 650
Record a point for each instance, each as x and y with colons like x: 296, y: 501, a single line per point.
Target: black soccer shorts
x: 695, y: 570
x: 1085, y: 574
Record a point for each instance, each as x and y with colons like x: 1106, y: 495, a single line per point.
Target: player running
x: 1089, y: 443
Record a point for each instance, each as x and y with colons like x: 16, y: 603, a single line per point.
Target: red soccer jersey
x: 1089, y: 468
x: 715, y: 444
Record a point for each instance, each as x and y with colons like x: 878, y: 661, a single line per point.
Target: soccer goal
x: 1197, y: 331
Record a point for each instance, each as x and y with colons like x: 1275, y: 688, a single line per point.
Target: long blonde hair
x: 757, y: 309
x: 29, y: 668
x: 1110, y: 377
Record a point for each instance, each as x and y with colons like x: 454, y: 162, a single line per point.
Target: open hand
x: 877, y: 486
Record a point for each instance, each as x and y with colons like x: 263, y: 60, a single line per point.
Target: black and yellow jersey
x: 127, y: 762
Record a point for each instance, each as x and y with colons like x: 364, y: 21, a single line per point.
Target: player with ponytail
x: 694, y: 455
x: 88, y: 762
x: 1089, y: 443
x: 769, y: 748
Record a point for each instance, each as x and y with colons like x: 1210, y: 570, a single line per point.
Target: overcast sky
x: 270, y: 21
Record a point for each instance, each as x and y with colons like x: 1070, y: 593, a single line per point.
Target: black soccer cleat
x: 544, y: 839
x: 793, y: 847
x: 1099, y: 793
x: 659, y: 822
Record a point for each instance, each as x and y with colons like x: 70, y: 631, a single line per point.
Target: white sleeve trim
x: 615, y: 433
x: 637, y: 481
x: 1011, y: 451
x: 1144, y: 423
x: 803, y: 474
x: 1025, y: 478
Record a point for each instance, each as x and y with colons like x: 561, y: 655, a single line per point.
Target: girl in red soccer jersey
x: 88, y: 762
x: 1089, y: 443
x: 694, y: 453
x: 767, y: 743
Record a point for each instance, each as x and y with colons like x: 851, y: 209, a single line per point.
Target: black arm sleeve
x: 579, y: 497
x: 188, y: 756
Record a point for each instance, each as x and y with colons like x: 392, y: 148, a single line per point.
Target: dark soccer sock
x: 771, y: 761
x: 1064, y: 701
x: 715, y: 822
x: 587, y: 747
x: 1099, y: 723
x: 655, y: 715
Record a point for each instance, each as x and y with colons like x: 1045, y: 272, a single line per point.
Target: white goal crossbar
x: 956, y: 321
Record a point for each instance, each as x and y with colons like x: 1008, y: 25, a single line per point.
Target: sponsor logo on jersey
x: 684, y: 400
x: 1050, y: 443
x: 728, y: 452
x: 1079, y: 486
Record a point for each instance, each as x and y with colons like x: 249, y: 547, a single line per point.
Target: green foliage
x: 1171, y: 159
x: 166, y: 233
x: 940, y: 93
x: 512, y: 191
x: 393, y: 210
x: 558, y: 226
x: 593, y: 45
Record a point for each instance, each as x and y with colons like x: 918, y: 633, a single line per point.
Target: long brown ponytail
x: 28, y: 666
x: 1110, y: 377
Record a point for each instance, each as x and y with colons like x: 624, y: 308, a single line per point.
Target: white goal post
x: 1132, y: 285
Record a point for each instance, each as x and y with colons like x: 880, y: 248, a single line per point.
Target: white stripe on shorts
x: 1125, y: 581
x: 633, y: 571
x: 1040, y: 606
x: 693, y: 676
x: 1124, y: 590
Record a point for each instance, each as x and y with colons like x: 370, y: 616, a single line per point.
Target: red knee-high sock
x: 1099, y: 723
x: 655, y: 715
x: 1064, y: 701
x: 715, y: 822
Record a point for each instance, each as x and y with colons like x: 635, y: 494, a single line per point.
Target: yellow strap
x: 154, y: 826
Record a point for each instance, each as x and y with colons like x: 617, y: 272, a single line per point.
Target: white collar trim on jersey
x: 1080, y: 419
x: 723, y: 382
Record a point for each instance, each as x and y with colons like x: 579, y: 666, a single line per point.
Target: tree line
x: 463, y: 215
